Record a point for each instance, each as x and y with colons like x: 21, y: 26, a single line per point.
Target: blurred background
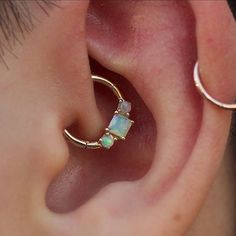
x: 232, y: 4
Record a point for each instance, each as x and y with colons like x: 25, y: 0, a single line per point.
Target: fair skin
x: 171, y: 176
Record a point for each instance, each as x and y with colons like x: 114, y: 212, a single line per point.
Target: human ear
x: 153, y: 46
x: 161, y: 52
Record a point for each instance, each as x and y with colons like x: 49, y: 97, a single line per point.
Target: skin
x: 171, y: 176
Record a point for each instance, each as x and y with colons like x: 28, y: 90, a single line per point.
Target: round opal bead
x: 107, y: 141
x: 124, y: 107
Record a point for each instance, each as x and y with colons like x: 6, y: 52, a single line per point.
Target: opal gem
x: 120, y: 125
x: 107, y: 141
x: 124, y: 107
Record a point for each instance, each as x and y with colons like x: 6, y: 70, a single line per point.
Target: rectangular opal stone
x: 120, y: 125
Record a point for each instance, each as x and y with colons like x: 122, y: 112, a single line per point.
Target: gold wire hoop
x: 205, y: 94
x: 118, y: 127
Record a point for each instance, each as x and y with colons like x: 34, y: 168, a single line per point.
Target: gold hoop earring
x: 205, y: 94
x: 118, y: 127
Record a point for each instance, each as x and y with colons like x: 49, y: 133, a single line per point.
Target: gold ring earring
x: 118, y: 127
x: 205, y: 94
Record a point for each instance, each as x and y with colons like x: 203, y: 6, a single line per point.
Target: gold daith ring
x: 118, y: 127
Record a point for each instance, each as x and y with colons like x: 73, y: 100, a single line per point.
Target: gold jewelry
x: 206, y: 95
x: 118, y: 127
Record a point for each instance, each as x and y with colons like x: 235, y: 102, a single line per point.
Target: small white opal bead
x: 124, y: 107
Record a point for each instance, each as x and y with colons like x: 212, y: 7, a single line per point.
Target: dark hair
x: 232, y: 4
x: 16, y: 20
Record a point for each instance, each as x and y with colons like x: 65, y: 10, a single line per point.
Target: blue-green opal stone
x: 120, y: 125
x: 107, y: 141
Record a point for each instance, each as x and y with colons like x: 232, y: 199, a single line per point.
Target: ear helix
x: 200, y: 87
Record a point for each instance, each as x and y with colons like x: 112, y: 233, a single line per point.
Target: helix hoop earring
x: 118, y: 127
x: 199, y: 85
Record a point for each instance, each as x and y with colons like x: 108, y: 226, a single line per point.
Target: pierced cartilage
x: 118, y: 127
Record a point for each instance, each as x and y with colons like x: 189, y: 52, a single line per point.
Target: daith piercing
x: 118, y: 127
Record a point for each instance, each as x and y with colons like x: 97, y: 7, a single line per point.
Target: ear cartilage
x: 201, y: 89
x: 117, y: 129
